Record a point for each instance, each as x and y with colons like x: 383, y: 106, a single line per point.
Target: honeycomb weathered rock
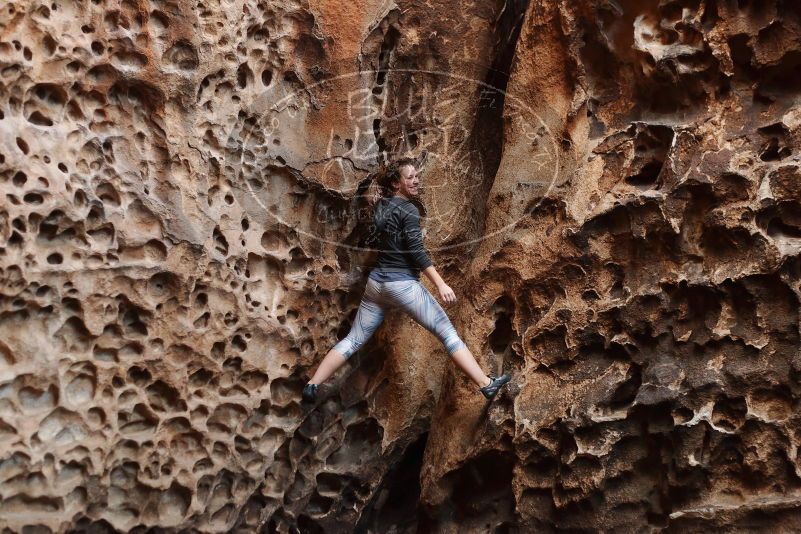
x: 180, y: 186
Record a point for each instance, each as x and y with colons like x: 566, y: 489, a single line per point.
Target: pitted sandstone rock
x: 166, y: 291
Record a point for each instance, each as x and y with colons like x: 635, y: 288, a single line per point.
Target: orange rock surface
x: 611, y: 187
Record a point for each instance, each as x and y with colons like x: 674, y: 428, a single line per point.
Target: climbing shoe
x: 310, y: 392
x: 491, y: 389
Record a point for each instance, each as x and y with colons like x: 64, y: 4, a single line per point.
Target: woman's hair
x: 391, y: 173
x: 379, y: 184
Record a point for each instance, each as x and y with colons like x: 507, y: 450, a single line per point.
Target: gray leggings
x: 408, y: 295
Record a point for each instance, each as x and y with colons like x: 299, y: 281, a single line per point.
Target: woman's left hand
x: 447, y: 294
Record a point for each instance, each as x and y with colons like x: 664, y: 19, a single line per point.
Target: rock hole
x: 729, y: 413
x: 165, y: 398
x: 220, y: 243
x: 22, y: 145
x: 266, y: 77
x: 239, y: 343
x: 182, y: 55
x: 139, y: 376
x: 244, y: 76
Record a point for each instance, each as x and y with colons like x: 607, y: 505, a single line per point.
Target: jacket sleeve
x: 414, y: 238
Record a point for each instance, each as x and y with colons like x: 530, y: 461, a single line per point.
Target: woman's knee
x: 453, y: 343
x: 367, y: 320
x: 346, y: 347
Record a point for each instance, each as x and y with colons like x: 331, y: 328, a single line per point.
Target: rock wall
x: 611, y: 187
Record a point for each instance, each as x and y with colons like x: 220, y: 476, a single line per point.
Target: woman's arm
x: 414, y: 238
x: 445, y: 291
x: 414, y: 242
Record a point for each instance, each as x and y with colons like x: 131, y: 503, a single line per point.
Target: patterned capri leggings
x: 408, y: 295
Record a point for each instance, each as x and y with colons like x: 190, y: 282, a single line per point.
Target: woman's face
x: 409, y: 183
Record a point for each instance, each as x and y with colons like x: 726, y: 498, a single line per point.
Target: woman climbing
x: 394, y: 283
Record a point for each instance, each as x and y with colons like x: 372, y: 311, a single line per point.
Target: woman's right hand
x: 446, y: 294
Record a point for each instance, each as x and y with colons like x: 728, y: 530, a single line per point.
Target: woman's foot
x: 310, y: 392
x: 491, y: 389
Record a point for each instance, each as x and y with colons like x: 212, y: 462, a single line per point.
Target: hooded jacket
x: 399, y: 238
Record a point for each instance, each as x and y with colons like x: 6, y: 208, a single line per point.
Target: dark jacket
x: 399, y: 238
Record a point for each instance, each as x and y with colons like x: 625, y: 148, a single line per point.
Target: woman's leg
x: 332, y: 361
x: 413, y: 298
x: 467, y: 363
x: 368, y: 318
